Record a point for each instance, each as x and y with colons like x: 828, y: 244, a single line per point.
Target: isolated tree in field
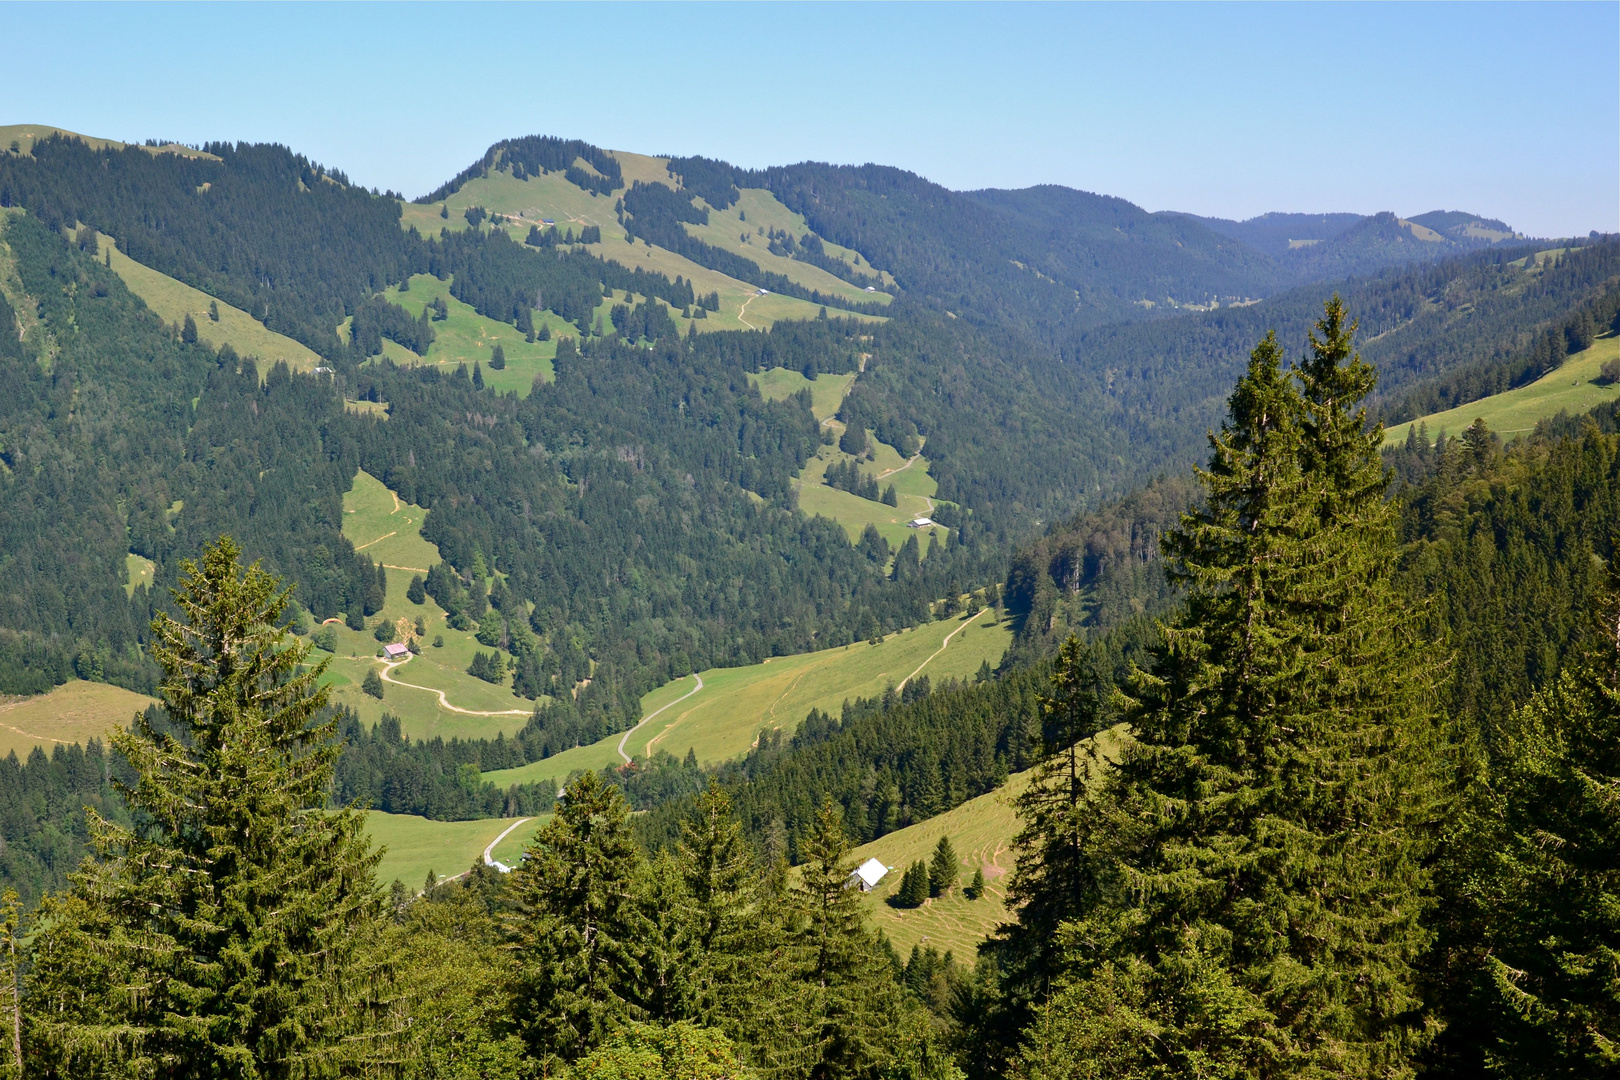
x: 975, y: 888
x: 188, y: 330
x: 223, y: 937
x: 497, y: 359
x: 415, y: 592
x: 372, y: 684
x: 913, y: 888
x: 213, y: 310
x: 943, y: 868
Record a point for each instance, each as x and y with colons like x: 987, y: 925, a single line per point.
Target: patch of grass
x: 416, y: 845
x: 74, y: 712
x: 137, y: 571
x: 467, y: 337
x: 378, y: 409
x: 390, y: 531
x: 914, y: 490
x: 757, y: 209
x: 724, y: 718
x: 173, y: 300
x: 1572, y: 387
x: 826, y: 391
x: 525, y: 202
x: 982, y: 832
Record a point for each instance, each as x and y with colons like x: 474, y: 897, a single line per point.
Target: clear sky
x: 1506, y: 110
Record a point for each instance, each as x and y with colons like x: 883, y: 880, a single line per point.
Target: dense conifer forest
x: 1357, y: 817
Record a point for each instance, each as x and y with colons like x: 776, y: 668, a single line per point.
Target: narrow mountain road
x: 655, y: 712
x: 489, y: 852
x: 966, y: 623
x: 444, y: 702
x: 912, y: 460
x: 744, y: 308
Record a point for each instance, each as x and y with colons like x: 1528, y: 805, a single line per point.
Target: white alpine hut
x: 868, y: 874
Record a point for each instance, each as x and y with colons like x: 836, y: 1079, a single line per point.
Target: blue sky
x: 1506, y: 110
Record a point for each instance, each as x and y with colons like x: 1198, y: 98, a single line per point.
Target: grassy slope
x: 1572, y: 387
x: 74, y: 712
x: 390, y: 532
x: 173, y: 300
x: 467, y: 336
x: 982, y: 832
x: 139, y: 571
x: 551, y: 196
x: 914, y: 490
x: 724, y: 718
x: 757, y: 209
x: 826, y: 391
x: 913, y: 486
x: 416, y: 845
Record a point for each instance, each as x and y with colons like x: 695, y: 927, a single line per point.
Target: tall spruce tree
x: 722, y: 939
x: 577, y: 927
x: 829, y: 1005
x: 1260, y: 852
x: 222, y: 936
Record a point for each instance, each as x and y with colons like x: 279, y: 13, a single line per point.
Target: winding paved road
x: 655, y: 712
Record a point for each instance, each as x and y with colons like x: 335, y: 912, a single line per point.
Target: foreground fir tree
x: 578, y: 931
x: 222, y: 937
x: 1253, y: 876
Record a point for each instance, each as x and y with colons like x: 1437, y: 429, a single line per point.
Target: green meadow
x: 389, y: 530
x: 74, y: 712
x: 742, y: 229
x: 826, y: 391
x: 1572, y: 387
x: 724, y: 719
x: 914, y: 492
x: 138, y: 571
x: 466, y: 337
x: 524, y: 203
x: 982, y: 832
x: 173, y: 300
x: 413, y: 846
x: 914, y: 488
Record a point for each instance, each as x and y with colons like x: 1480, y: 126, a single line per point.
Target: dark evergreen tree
x: 913, y: 888
x: 577, y: 928
x: 415, y: 592
x: 224, y: 936
x: 943, y: 869
x: 1529, y: 971
x: 497, y: 359
x: 1259, y: 854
